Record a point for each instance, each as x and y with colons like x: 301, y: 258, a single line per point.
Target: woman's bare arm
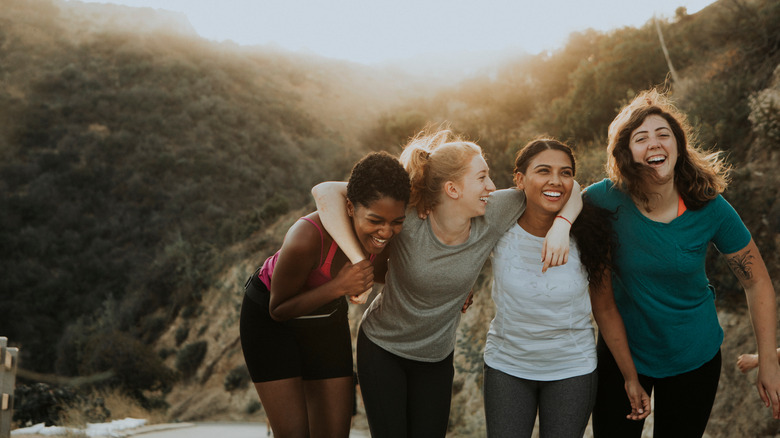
x: 750, y: 269
x: 299, y: 255
x: 331, y: 200
x: 613, y: 332
x: 555, y: 250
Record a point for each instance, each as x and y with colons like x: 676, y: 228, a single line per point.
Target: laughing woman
x: 294, y: 329
x: 669, y: 208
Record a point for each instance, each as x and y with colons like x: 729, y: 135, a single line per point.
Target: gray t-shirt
x: 417, y: 314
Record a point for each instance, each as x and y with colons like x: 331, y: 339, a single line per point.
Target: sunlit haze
x: 370, y: 32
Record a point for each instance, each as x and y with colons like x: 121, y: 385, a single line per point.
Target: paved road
x: 211, y: 430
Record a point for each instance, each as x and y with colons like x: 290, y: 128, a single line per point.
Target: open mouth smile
x: 656, y: 160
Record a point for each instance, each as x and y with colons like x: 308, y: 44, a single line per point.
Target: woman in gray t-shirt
x: 407, y: 336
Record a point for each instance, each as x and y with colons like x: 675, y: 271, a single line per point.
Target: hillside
x: 131, y: 159
x: 145, y: 172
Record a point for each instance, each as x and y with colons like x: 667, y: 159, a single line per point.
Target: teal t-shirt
x: 660, y: 284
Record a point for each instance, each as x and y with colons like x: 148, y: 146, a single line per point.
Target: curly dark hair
x: 592, y: 231
x: 375, y: 176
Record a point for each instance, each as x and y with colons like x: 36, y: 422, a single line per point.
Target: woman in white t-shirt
x: 540, y: 354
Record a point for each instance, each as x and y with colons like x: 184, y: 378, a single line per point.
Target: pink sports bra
x: 317, y: 277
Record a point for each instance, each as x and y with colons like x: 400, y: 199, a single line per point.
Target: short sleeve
x: 732, y: 235
x: 601, y: 194
x: 504, y: 207
x: 412, y: 223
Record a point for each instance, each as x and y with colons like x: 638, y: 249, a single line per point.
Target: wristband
x: 559, y: 216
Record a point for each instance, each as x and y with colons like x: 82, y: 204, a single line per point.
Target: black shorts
x: 314, y: 349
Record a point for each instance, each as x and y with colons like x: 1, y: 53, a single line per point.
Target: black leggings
x: 682, y: 403
x: 403, y: 397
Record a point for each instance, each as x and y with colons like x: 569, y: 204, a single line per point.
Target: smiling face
x: 653, y: 144
x: 475, y: 187
x: 547, y: 181
x: 377, y: 223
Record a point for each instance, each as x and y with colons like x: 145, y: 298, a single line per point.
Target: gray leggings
x: 511, y: 404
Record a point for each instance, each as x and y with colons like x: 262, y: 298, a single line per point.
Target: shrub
x: 155, y: 404
x: 274, y: 207
x: 165, y: 352
x: 153, y: 327
x: 191, y: 311
x: 134, y: 365
x: 765, y: 113
x: 181, y: 334
x: 237, y: 378
x: 41, y: 403
x: 190, y: 357
x: 253, y: 406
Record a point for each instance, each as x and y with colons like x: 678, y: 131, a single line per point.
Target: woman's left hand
x: 768, y: 384
x: 640, y: 401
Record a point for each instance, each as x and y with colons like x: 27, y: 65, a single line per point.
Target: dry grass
x: 118, y: 404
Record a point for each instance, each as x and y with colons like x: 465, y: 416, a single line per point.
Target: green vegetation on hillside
x: 130, y: 162
x: 723, y: 54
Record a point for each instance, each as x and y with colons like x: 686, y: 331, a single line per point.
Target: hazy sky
x: 372, y: 31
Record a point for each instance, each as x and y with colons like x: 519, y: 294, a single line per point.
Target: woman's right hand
x: 356, y: 278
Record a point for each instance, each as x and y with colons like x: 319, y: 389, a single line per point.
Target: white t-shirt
x: 542, y: 329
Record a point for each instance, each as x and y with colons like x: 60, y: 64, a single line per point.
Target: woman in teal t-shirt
x: 667, y: 198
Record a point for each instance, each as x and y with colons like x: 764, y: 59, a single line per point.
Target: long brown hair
x: 698, y: 176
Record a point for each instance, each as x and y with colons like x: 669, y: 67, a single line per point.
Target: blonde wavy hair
x: 698, y: 176
x: 432, y: 158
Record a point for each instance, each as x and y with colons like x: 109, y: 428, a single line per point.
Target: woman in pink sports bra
x: 294, y: 328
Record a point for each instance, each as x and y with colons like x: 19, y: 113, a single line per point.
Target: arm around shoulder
x: 331, y: 200
x: 555, y: 250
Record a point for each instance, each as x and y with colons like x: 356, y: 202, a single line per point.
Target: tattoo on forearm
x: 742, y: 265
